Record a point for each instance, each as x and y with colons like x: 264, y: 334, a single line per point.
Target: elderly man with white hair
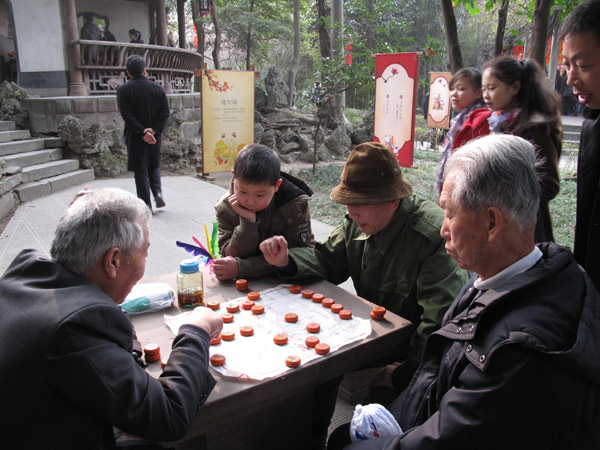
x: 516, y: 362
x: 67, y: 369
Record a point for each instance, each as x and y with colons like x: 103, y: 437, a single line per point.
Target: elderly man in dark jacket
x: 515, y: 364
x: 68, y: 373
x: 145, y: 109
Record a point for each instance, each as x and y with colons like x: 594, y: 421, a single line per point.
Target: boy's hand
x: 226, y: 268
x: 275, y: 250
x: 240, y: 210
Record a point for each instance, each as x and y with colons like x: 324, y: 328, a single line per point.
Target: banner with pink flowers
x: 396, y: 76
x: 438, y: 111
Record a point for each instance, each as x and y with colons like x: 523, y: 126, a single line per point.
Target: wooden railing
x: 103, y: 65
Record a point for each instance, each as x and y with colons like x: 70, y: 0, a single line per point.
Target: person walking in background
x: 89, y: 30
x: 524, y: 103
x: 135, y: 37
x: 144, y: 107
x: 581, y: 54
x: 472, y: 119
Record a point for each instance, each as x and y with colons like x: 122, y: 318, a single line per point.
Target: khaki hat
x: 371, y: 175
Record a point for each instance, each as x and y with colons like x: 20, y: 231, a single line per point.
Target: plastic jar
x: 190, y: 291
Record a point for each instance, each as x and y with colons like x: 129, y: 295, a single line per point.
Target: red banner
x: 396, y: 77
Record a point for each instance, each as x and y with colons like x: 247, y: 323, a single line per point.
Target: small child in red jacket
x: 471, y: 121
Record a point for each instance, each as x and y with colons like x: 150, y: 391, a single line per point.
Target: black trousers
x: 146, y: 181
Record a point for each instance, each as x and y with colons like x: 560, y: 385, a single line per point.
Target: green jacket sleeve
x: 328, y: 260
x: 439, y: 281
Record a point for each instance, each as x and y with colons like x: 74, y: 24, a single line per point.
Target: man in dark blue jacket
x: 68, y: 374
x: 145, y: 109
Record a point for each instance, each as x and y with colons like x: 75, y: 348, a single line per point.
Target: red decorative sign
x: 396, y: 76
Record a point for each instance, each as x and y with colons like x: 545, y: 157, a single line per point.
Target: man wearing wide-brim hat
x: 389, y: 243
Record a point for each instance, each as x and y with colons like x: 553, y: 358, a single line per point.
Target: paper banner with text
x: 395, y: 102
x: 438, y: 110
x: 227, y: 117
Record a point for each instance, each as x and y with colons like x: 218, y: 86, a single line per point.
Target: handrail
x: 103, y: 65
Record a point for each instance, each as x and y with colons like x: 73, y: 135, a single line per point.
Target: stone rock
x: 260, y: 97
x: 361, y: 134
x: 268, y: 139
x: 338, y: 142
x: 258, y: 132
x: 277, y: 89
x: 290, y: 147
x: 12, y: 107
x: 288, y: 135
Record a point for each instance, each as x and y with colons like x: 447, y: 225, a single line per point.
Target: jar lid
x: 189, y: 266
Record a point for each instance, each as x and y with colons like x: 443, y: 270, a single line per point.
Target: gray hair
x: 497, y: 170
x: 96, y: 222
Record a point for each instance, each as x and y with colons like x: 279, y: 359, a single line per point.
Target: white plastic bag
x: 147, y: 297
x: 372, y: 421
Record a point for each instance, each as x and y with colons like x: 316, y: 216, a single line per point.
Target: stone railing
x: 103, y: 65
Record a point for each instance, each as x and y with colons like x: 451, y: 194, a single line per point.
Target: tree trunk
x: 181, y: 23
x: 249, y: 37
x: 451, y: 35
x: 323, y: 21
x: 499, y: 41
x: 199, y: 27
x: 539, y: 34
x: 296, y: 61
x: 217, y: 46
x: 337, y: 22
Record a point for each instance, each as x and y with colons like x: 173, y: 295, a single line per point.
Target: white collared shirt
x: 516, y: 268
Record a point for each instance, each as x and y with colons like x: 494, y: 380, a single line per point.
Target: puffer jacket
x: 511, y: 369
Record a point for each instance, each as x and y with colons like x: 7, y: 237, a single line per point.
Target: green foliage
x: 562, y: 211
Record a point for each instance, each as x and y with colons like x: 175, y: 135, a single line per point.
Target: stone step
x: 15, y: 135
x: 10, y: 182
x: 41, y: 188
x: 8, y: 203
x: 10, y: 148
x: 49, y: 169
x: 33, y: 158
x: 7, y: 125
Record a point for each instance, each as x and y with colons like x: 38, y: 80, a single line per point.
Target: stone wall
x: 46, y: 113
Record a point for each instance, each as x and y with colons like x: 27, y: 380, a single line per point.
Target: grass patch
x: 422, y: 176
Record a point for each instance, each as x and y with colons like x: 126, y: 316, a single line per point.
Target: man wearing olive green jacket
x: 390, y: 244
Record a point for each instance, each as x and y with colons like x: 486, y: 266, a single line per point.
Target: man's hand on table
x: 275, y: 250
x: 226, y: 268
x: 206, y: 319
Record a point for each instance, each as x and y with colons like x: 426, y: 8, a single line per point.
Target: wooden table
x: 276, y: 412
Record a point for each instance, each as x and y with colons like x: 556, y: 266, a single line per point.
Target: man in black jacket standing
x: 581, y: 54
x: 144, y: 107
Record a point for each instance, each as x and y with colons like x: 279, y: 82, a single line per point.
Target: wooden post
x: 161, y: 23
x: 76, y: 85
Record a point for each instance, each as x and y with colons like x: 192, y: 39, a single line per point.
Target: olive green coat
x: 404, y: 268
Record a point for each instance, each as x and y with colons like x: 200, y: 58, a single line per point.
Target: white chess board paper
x: 257, y: 357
